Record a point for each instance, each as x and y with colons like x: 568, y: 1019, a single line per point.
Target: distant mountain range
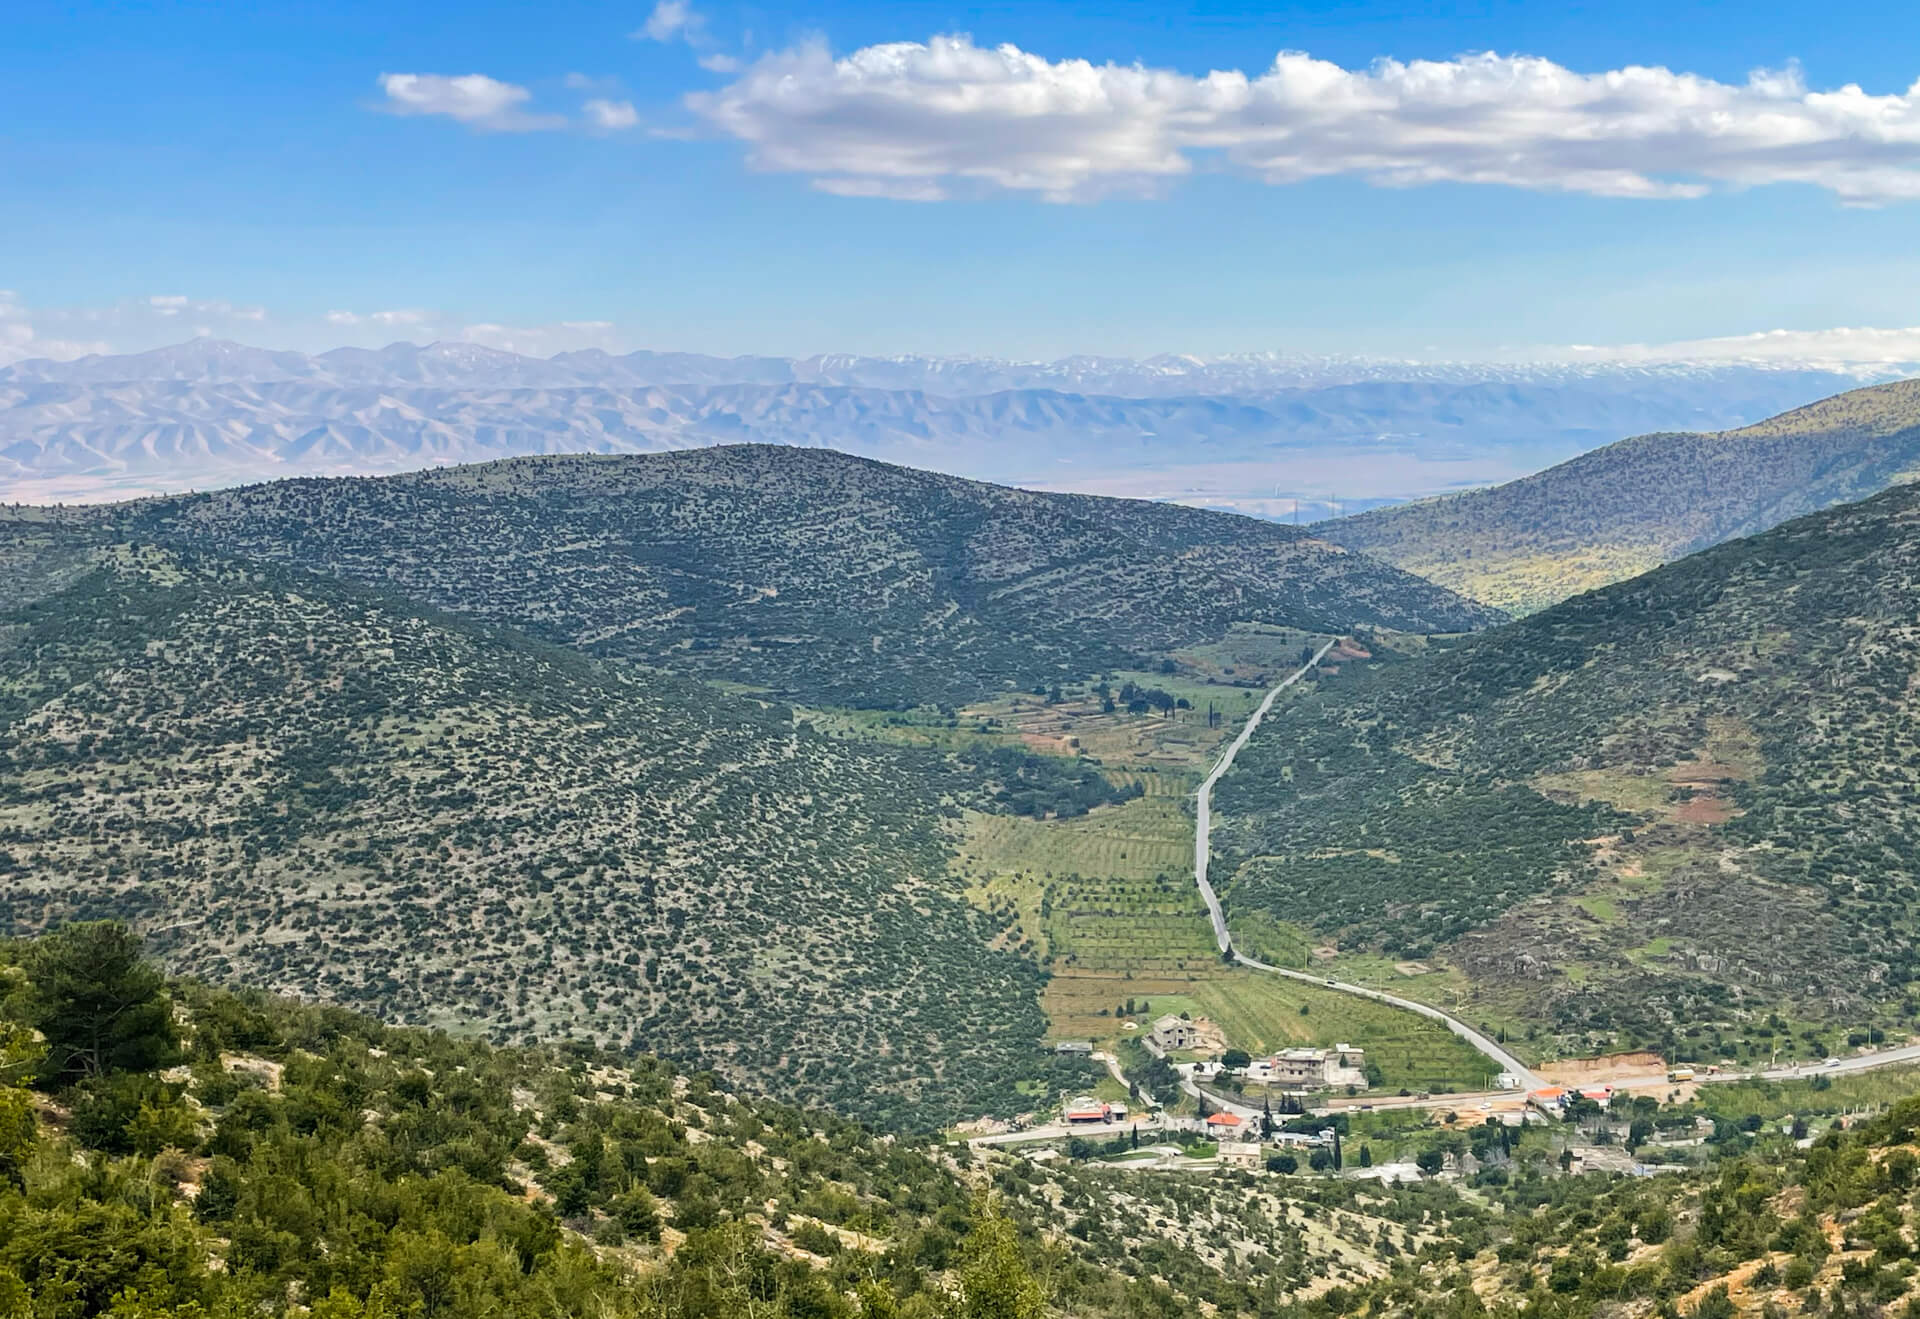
x: 1256, y: 433
x: 1634, y: 505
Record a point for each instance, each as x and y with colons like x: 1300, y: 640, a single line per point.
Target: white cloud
x: 899, y: 190
x: 904, y: 118
x: 1836, y: 349
x: 610, y: 115
x: 670, y: 19
x: 472, y: 99
x: 543, y: 340
x: 138, y: 324
x: 678, y: 20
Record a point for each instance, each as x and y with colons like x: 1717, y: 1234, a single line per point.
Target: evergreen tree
x: 101, y: 1008
x: 995, y: 1282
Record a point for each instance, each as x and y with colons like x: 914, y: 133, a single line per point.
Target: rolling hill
x: 1628, y: 507
x: 809, y: 573
x: 1678, y: 811
x: 296, y: 783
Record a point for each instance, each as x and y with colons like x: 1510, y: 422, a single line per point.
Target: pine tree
x: 995, y: 1282
x: 100, y: 1006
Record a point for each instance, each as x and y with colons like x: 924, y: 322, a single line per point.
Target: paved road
x: 1859, y: 1062
x: 1112, y: 1065
x: 1203, y: 828
x: 1203, y: 823
x: 1529, y: 1079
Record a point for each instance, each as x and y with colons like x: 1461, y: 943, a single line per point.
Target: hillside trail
x: 1203, y: 829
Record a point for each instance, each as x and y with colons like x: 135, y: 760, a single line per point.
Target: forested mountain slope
x: 191, y: 1152
x: 1652, y: 813
x: 808, y: 572
x: 296, y: 783
x: 1631, y: 506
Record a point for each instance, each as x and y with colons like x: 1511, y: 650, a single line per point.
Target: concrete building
x: 1240, y: 1153
x: 1086, y: 1112
x: 1172, y: 1033
x: 1311, y: 1069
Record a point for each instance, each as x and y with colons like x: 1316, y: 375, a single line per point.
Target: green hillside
x: 1623, y: 509
x: 171, y: 1150
x: 810, y: 573
x: 234, y: 1154
x: 298, y: 784
x: 1677, y: 811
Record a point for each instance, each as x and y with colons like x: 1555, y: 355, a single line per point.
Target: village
x: 1314, y: 1110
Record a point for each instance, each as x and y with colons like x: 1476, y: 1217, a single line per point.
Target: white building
x: 1311, y: 1069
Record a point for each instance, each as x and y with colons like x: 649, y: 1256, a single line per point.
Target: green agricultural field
x: 1259, y: 653
x: 1111, y: 890
x: 1107, y: 902
x: 1263, y: 1013
x: 1817, y: 1095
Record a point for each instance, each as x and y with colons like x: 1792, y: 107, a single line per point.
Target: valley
x: 509, y: 818
x: 1042, y: 661
x: 1657, y: 761
x: 948, y: 808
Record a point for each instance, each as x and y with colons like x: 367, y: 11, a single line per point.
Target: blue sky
x: 248, y: 160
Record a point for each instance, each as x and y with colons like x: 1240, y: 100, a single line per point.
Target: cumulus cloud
x: 670, y: 19
x: 472, y: 99
x: 21, y: 337
x: 610, y: 116
x: 69, y: 332
x: 911, y: 118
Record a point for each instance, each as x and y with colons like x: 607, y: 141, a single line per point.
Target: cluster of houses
x: 1290, y: 1069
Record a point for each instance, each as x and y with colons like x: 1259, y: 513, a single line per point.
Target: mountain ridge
x: 1627, y: 507
x: 211, y: 413
x: 330, y: 790
x: 456, y: 361
x: 1662, y: 808
x: 824, y: 575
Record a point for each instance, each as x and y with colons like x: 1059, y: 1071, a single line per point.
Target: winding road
x: 1203, y: 824
x: 1202, y: 837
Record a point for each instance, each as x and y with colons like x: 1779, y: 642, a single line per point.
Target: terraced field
x: 1261, y: 1013
x: 1106, y: 902
x: 1109, y: 890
